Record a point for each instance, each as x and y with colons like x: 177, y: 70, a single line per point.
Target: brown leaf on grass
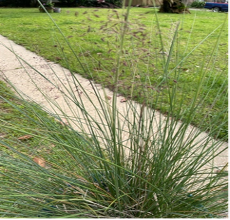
x: 64, y: 122
x: 2, y: 145
x: 96, y: 15
x: 82, y: 35
x: 69, y: 36
x: 108, y: 97
x: 2, y: 135
x: 123, y: 100
x: 125, y: 64
x: 89, y: 29
x: 58, y: 58
x: 102, y: 27
x: 185, y: 69
x: 144, y: 50
x: 25, y: 137
x: 143, y: 29
x: 138, y: 76
x: 96, y: 69
x: 40, y: 161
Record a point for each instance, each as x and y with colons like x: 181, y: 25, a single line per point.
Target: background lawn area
x: 94, y: 36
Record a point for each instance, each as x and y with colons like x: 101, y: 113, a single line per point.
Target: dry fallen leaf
x: 64, y: 122
x: 80, y: 92
x: 96, y: 15
x: 2, y: 135
x: 108, y: 97
x: 25, y: 137
x: 40, y: 161
x: 123, y: 100
x: 138, y: 76
x: 58, y: 58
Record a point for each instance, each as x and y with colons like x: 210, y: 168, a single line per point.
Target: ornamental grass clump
x: 121, y: 158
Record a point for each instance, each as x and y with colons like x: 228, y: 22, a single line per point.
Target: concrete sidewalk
x: 30, y: 83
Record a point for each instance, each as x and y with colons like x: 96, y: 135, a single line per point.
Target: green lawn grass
x: 13, y: 116
x: 94, y: 34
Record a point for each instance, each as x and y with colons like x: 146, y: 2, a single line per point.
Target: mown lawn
x: 144, y: 71
x: 15, y: 114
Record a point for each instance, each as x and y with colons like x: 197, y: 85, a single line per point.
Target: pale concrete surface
x: 30, y: 83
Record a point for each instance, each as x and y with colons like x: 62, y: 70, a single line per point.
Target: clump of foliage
x: 175, y: 6
x: 18, y: 3
x: 197, y: 4
x: 69, y: 2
